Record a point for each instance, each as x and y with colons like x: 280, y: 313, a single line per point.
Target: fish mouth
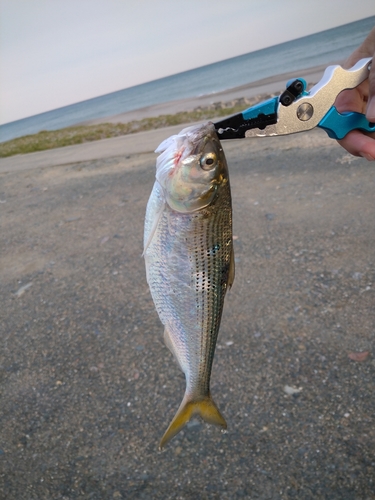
x: 202, y: 136
x: 190, y: 141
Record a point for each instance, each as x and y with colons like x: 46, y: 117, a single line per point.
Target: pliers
x: 298, y: 110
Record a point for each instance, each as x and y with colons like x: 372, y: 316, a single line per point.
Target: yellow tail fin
x: 205, y: 408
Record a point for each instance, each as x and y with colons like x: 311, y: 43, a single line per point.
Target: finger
x: 353, y: 100
x: 370, y: 110
x: 359, y: 144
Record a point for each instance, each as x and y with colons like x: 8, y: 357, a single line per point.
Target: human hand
x: 362, y: 100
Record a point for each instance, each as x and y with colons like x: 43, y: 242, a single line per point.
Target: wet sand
x: 87, y: 385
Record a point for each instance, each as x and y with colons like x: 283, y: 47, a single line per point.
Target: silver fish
x: 188, y: 250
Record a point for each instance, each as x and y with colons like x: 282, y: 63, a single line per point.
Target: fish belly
x: 187, y: 263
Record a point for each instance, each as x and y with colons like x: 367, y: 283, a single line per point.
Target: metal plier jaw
x: 297, y: 110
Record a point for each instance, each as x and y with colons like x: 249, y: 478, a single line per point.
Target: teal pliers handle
x: 337, y: 125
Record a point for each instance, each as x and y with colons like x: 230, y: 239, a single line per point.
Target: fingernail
x: 370, y: 110
x: 367, y: 156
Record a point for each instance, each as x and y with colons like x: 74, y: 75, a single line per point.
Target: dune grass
x: 87, y: 133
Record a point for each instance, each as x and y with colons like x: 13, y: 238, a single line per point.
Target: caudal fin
x: 205, y: 408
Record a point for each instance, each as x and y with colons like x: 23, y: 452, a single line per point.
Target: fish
x: 188, y: 251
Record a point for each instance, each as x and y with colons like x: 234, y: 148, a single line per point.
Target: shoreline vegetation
x: 80, y: 134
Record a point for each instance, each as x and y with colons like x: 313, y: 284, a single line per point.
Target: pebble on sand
x: 23, y: 289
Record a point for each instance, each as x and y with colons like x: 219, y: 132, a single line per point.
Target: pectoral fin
x: 155, y: 223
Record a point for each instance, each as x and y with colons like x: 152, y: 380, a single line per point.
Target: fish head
x: 191, y: 168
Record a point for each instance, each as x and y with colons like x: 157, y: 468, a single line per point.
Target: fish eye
x: 208, y: 161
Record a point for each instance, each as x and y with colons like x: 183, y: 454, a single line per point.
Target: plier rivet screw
x: 305, y: 111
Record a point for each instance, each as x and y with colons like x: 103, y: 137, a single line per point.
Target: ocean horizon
x: 326, y: 47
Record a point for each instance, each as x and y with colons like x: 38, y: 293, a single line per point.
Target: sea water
x: 327, y: 47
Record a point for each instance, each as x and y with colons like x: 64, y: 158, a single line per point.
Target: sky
x: 58, y: 52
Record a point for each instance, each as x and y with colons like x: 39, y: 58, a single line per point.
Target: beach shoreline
x: 147, y: 141
x: 270, y: 85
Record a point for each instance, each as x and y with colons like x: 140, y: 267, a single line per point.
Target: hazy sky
x: 57, y: 52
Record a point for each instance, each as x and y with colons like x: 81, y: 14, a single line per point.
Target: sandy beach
x: 87, y: 385
x: 148, y: 141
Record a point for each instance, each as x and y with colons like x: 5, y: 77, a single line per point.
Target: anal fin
x: 169, y: 343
